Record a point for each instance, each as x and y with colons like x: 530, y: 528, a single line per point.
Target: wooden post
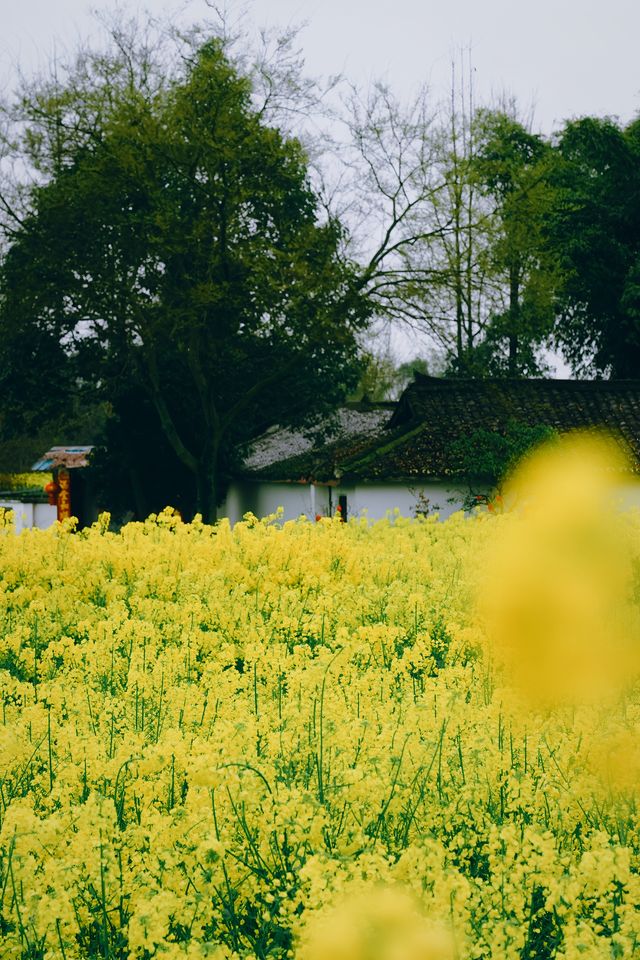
x: 64, y: 494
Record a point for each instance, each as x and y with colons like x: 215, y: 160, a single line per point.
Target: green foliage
x: 485, y: 457
x: 593, y: 228
x: 384, y: 379
x: 377, y: 380
x: 511, y: 165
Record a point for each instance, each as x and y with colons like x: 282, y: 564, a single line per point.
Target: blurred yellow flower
x: 382, y: 923
x: 557, y: 595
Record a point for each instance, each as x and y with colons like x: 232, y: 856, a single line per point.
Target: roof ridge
x: 381, y: 448
x: 424, y: 380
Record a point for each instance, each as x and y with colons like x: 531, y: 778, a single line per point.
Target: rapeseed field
x: 304, y: 740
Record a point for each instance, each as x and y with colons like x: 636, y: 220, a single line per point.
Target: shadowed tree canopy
x: 174, y: 259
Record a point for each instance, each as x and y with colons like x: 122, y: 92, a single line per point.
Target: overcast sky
x: 566, y: 57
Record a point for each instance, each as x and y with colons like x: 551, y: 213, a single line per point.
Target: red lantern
x: 52, y: 489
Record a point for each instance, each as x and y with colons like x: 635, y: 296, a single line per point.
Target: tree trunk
x: 514, y: 319
x: 206, y: 484
x: 204, y: 468
x: 139, y: 498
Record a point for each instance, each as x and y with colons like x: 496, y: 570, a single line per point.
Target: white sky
x: 566, y: 57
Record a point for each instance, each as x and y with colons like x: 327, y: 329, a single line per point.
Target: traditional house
x: 376, y: 458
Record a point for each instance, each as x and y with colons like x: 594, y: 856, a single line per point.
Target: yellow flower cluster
x: 293, y: 740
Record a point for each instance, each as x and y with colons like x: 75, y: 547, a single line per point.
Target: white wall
x: 40, y: 515
x: 377, y: 499
x: 263, y: 499
x: 44, y: 515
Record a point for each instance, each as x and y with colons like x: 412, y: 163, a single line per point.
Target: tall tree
x: 511, y: 167
x: 391, y: 182
x: 418, y: 193
x: 594, y: 231
x: 462, y: 293
x: 458, y: 195
x: 188, y: 256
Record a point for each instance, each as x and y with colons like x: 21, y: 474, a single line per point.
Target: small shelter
x: 68, y: 492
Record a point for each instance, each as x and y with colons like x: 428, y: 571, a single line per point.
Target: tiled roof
x: 71, y: 457
x: 564, y: 404
x: 314, y: 452
x: 433, y: 413
x: 416, y: 437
